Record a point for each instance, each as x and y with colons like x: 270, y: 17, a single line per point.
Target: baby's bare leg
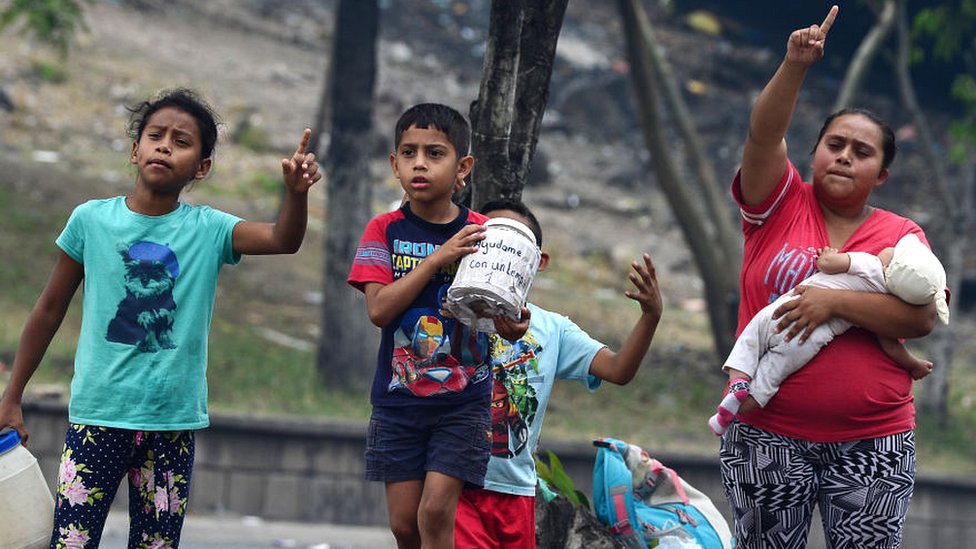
x: 737, y: 374
x: 916, y: 367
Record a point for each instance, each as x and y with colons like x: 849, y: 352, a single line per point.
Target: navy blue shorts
x: 404, y: 443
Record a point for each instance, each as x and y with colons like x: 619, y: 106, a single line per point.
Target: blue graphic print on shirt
x: 145, y: 315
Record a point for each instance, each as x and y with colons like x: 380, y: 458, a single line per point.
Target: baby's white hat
x: 916, y: 275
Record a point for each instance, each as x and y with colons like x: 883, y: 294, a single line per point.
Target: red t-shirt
x: 851, y: 390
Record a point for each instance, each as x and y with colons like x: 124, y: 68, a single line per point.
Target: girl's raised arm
x: 284, y: 236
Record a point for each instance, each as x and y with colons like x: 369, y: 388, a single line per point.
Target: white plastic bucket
x: 495, y: 280
x: 26, y: 504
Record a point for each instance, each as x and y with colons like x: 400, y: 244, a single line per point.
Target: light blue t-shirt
x: 522, y: 377
x: 148, y: 299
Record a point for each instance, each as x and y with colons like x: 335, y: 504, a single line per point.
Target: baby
x: 762, y: 358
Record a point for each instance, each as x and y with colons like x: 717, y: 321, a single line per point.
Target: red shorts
x: 492, y: 520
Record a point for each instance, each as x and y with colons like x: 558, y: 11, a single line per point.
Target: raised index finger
x: 829, y: 20
x: 304, y: 143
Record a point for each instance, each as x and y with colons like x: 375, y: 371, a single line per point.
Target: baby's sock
x: 738, y: 392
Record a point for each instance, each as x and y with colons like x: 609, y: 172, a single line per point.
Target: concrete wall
x: 312, y: 470
x: 288, y: 469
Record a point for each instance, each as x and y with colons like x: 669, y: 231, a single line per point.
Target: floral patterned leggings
x: 93, y: 463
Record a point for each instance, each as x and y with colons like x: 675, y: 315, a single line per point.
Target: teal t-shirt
x: 523, y: 375
x: 148, y: 300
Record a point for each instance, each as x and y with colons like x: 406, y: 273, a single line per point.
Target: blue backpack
x: 646, y: 504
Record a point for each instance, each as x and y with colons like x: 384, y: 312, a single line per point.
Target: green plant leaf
x: 555, y: 476
x: 52, y: 21
x: 542, y: 470
x: 560, y: 479
x: 583, y: 500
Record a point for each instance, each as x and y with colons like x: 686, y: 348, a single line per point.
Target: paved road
x: 224, y: 532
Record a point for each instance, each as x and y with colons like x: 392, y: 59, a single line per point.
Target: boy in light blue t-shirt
x: 502, y: 514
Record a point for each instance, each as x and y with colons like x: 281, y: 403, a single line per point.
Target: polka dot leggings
x: 94, y: 461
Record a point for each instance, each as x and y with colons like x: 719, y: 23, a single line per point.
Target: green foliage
x: 950, y: 28
x: 964, y: 90
x: 266, y: 183
x: 52, y: 21
x: 50, y: 72
x: 253, y: 138
x: 555, y: 476
x: 258, y: 185
x: 948, y: 447
x: 30, y: 231
x: 249, y: 374
x: 963, y: 131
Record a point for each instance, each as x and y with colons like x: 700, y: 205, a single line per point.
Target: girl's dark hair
x: 519, y: 208
x: 887, y: 134
x: 441, y: 117
x: 187, y: 101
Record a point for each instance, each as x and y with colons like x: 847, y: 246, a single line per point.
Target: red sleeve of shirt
x: 754, y: 216
x: 373, y: 261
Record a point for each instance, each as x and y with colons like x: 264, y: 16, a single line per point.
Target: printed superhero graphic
x: 145, y: 315
x: 435, y: 355
x: 513, y: 398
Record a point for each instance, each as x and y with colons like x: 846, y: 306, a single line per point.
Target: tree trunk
x: 934, y: 400
x: 710, y: 239
x: 540, y: 32
x: 866, y: 52
x: 348, y: 339
x: 506, y: 118
x: 505, y: 123
x: 955, y: 232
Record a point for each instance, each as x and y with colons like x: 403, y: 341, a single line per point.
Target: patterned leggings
x: 93, y: 463
x: 773, y: 482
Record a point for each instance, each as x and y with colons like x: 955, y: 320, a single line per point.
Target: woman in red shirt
x: 839, y: 433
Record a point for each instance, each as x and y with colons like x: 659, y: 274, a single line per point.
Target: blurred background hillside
x: 263, y: 65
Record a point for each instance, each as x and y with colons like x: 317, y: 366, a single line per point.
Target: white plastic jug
x: 26, y: 504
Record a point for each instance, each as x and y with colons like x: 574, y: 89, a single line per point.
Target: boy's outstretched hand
x: 301, y: 171
x: 648, y: 294
x: 620, y: 367
x: 513, y: 330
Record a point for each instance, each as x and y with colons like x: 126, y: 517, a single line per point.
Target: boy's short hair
x: 518, y: 207
x: 441, y: 117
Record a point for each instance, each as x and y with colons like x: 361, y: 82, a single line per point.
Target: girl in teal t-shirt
x: 149, y: 264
